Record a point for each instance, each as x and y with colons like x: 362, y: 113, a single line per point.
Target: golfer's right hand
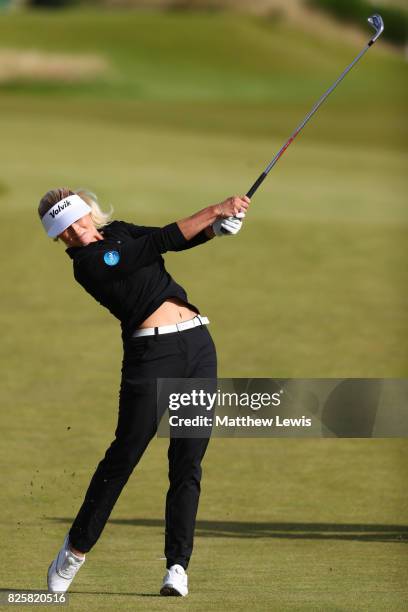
x: 232, y: 207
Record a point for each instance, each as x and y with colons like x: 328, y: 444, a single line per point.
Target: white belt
x: 170, y: 329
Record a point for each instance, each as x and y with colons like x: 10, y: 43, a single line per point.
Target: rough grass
x: 314, y: 286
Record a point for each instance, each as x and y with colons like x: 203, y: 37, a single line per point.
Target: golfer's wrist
x: 218, y: 211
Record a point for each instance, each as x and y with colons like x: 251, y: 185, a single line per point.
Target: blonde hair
x: 99, y: 217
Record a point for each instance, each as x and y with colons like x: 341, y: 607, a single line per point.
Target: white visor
x: 63, y: 213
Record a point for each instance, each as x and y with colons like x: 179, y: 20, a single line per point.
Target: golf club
x: 377, y: 23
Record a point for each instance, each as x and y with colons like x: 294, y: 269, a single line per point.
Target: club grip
x: 257, y: 183
x: 251, y: 192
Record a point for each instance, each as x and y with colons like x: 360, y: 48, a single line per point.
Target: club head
x: 378, y: 25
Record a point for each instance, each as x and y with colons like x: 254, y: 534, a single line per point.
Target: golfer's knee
x: 123, y: 456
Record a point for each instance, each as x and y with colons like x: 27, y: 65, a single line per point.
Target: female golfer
x: 164, y: 336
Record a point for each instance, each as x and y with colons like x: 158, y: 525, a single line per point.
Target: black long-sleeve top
x: 125, y: 271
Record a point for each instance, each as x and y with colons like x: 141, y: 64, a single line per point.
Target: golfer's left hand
x: 229, y: 226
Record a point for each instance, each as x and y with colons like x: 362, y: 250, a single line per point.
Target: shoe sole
x: 48, y: 576
x: 169, y: 591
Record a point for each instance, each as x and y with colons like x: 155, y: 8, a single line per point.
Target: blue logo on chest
x: 111, y: 258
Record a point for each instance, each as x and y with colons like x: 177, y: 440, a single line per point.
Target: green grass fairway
x: 191, y: 110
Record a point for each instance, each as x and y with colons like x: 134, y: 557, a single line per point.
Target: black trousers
x: 186, y: 354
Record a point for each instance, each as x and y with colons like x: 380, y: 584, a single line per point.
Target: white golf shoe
x: 175, y: 582
x: 63, y: 569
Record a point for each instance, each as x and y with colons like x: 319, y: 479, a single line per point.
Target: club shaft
x: 300, y: 127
